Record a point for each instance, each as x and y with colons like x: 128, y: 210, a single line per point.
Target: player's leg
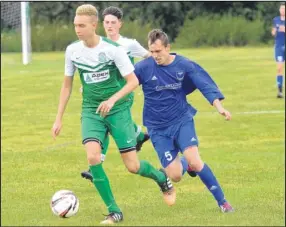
x: 122, y: 130
x: 280, y: 59
x: 172, y: 164
x: 93, y: 133
x: 207, y: 177
x: 167, y: 150
x: 87, y: 174
x: 167, y: 153
x: 188, y: 142
x: 145, y: 169
x: 141, y: 137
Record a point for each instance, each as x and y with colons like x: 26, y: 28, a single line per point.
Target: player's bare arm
x: 64, y: 98
x: 217, y: 104
x: 273, y: 31
x: 281, y: 28
x: 106, y: 106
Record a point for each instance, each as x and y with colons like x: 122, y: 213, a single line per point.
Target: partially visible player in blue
x: 278, y: 31
x: 166, y: 79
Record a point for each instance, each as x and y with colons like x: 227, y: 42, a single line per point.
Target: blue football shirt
x: 165, y: 89
x: 280, y: 36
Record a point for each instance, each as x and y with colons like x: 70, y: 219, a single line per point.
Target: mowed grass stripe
x: 247, y: 154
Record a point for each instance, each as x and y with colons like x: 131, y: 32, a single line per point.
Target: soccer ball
x: 64, y: 203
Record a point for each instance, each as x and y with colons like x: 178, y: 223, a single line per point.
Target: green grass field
x: 247, y: 154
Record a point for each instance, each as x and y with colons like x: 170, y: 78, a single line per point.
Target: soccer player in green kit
x: 112, y: 22
x: 105, y: 107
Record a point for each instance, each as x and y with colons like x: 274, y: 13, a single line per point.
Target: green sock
x: 101, y: 183
x: 147, y: 170
x: 139, y: 135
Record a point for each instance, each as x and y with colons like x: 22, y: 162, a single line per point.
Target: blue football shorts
x: 171, y: 140
x: 279, y: 52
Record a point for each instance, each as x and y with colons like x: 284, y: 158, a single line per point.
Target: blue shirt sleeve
x: 138, y: 73
x: 197, y: 77
x: 274, y: 23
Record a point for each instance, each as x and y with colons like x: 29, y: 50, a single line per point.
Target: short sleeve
x: 197, y: 77
x: 138, y: 73
x: 122, y: 62
x: 137, y: 50
x: 274, y: 22
x: 69, y: 66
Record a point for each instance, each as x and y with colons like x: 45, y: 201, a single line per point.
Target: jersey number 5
x: 168, y: 155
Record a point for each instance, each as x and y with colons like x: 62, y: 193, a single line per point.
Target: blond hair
x: 87, y: 10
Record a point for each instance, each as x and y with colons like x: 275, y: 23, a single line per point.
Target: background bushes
x: 188, y: 24
x: 216, y: 30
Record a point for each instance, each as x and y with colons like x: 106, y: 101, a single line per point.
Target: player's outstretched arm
x: 64, y: 98
x: 217, y: 104
x: 132, y: 83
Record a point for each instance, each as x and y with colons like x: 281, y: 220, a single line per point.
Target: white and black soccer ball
x: 64, y: 203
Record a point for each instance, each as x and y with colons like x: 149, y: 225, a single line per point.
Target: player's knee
x: 176, y: 177
x: 132, y: 165
x: 93, y: 152
x: 133, y: 168
x: 194, y: 159
x: 94, y: 158
x: 197, y: 165
x: 131, y: 161
x: 280, y: 70
x: 175, y: 174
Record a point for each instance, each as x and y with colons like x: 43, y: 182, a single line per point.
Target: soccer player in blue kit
x: 278, y: 31
x: 166, y: 79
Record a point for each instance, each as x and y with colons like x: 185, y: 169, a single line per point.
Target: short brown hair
x: 158, y: 34
x: 114, y: 11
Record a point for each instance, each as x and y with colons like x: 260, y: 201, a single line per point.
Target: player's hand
x: 225, y: 113
x: 104, y: 107
x: 281, y: 28
x: 57, y: 126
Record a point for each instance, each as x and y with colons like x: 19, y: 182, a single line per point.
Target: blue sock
x: 280, y: 82
x: 184, y: 164
x: 211, y: 183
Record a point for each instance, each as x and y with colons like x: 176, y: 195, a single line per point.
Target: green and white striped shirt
x: 100, y: 69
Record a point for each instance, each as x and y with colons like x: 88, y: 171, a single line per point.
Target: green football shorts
x: 119, y: 125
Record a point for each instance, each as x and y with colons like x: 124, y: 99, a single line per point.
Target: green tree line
x: 186, y: 23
